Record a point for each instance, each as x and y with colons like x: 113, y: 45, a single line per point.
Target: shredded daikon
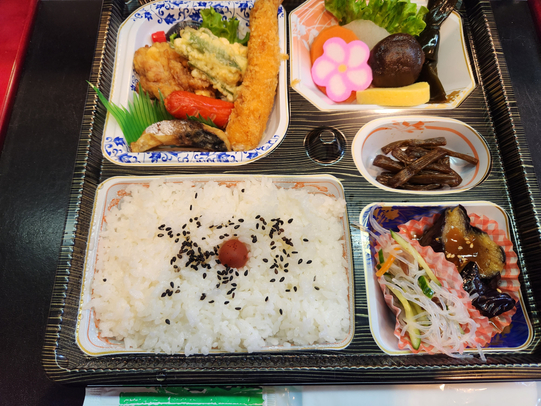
x: 443, y: 321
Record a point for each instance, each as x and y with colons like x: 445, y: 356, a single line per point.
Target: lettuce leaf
x: 222, y: 28
x: 396, y: 16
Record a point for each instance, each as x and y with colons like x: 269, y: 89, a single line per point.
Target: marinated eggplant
x: 478, y: 258
x: 453, y: 234
x: 488, y: 299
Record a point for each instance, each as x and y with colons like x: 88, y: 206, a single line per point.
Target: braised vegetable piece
x: 396, y: 61
x: 453, y: 234
x: 420, y: 165
x: 405, y: 174
x: 428, y: 142
x: 488, y: 300
x: 438, y: 11
x: 468, y: 158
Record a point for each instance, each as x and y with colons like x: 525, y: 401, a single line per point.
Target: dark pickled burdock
x: 396, y: 61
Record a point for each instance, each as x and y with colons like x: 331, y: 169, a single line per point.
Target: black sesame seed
x: 172, y: 284
x: 295, y: 288
x: 290, y: 221
x: 257, y: 216
x: 300, y: 261
x: 167, y: 321
x: 168, y: 229
x: 160, y: 235
x: 233, y: 295
x: 305, y: 239
x: 211, y: 301
x: 169, y: 293
x: 273, y: 280
x: 286, y: 265
x: 288, y: 290
x: 241, y: 220
x: 190, y: 206
x: 238, y: 308
x: 195, y: 197
x: 203, y: 296
x: 276, y: 271
x: 105, y: 279
x: 316, y: 288
x: 263, y: 228
x: 309, y: 261
x: 204, y: 275
x: 265, y: 260
x: 246, y: 273
x: 254, y: 239
x: 177, y: 291
x: 237, y: 226
x: 161, y: 227
x: 282, y: 278
x: 226, y: 302
x: 163, y: 294
x: 217, y: 285
x: 267, y: 299
x: 281, y: 312
x: 257, y: 226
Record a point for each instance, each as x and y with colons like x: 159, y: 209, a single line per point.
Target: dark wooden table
x: 37, y: 162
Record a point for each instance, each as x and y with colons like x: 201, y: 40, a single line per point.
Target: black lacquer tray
x: 511, y: 184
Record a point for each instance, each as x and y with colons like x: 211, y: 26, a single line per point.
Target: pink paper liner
x: 509, y: 282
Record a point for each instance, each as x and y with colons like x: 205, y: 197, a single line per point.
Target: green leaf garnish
x: 141, y: 113
x: 222, y: 28
x: 200, y: 119
x: 396, y: 16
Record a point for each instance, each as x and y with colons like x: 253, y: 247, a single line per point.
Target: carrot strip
x: 386, y: 265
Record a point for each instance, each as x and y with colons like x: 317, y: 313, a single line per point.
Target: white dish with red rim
x: 110, y: 193
x: 460, y: 138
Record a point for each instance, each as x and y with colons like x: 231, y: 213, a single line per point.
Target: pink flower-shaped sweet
x: 343, y: 68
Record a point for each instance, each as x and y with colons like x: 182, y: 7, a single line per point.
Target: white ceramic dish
x: 307, y: 21
x: 109, y: 194
x: 382, y: 320
x: 460, y: 138
x: 135, y: 33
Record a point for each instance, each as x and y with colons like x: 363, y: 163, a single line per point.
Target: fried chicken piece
x: 160, y: 68
x: 254, y: 104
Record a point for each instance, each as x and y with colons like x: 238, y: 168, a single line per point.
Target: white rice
x: 140, y: 298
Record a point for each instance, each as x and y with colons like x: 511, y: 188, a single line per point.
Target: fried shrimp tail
x: 254, y: 104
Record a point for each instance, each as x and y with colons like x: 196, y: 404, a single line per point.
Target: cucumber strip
x: 414, y: 333
x: 409, y: 248
x: 425, y: 287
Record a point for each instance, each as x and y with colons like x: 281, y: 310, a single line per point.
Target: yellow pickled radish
x: 405, y: 96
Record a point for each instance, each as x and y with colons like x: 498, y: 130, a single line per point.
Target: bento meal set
x: 212, y: 264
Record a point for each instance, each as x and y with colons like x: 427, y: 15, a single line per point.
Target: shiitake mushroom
x: 396, y: 61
